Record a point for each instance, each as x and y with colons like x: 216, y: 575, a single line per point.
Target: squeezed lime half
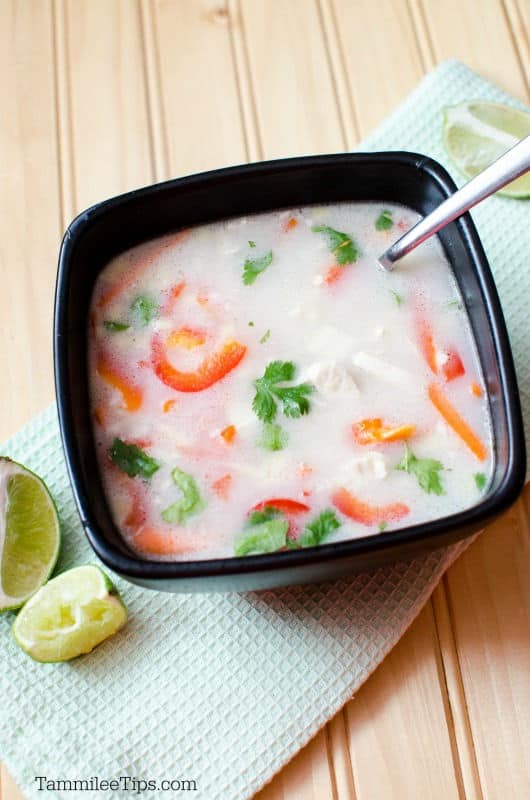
x: 476, y: 133
x: 29, y: 534
x: 70, y: 615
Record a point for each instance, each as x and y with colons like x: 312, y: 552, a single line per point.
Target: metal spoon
x: 507, y: 168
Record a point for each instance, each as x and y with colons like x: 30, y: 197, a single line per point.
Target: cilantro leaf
x: 132, y: 460
x: 190, y: 502
x: 110, y: 325
x: 397, y: 297
x: 272, y: 437
x: 277, y: 371
x: 426, y: 470
x: 255, y: 266
x: 144, y: 309
x: 267, y: 513
x: 384, y: 221
x: 318, y: 529
x: 382, y: 526
x: 251, y: 243
x: 265, y: 336
x: 480, y: 481
x: 263, y: 537
x: 341, y: 244
x: 264, y: 404
x: 293, y: 398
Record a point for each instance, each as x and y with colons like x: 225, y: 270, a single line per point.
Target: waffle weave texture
x: 225, y: 689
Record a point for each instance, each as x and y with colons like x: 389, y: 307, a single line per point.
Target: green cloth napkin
x: 225, y: 689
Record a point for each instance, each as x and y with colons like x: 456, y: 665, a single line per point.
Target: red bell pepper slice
x: 453, y: 367
x: 284, y: 504
x: 367, y: 514
x: 211, y: 370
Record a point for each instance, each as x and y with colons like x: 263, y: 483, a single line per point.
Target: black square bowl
x: 104, y: 230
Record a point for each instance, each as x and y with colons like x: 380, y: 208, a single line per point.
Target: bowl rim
x: 492, y: 504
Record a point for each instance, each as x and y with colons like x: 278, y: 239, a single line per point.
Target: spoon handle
x: 508, y: 167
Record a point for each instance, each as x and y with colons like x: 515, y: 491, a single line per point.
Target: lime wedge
x: 69, y: 616
x: 477, y: 133
x: 29, y: 534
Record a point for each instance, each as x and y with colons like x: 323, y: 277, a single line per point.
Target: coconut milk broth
x: 354, y: 339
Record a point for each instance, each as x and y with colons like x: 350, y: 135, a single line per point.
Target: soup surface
x: 260, y: 384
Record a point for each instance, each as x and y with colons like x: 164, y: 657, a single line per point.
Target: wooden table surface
x: 100, y: 96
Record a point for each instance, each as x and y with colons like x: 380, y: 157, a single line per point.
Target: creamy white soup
x: 261, y: 384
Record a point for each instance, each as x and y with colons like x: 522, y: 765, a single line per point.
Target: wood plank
x: 306, y: 777
x: 197, y: 80
x: 380, y: 68
x: 29, y: 190
x: 518, y: 15
x: 489, y: 601
x: 397, y: 727
x: 456, y: 710
x: 293, y: 90
x: 107, y: 113
x: 340, y: 757
x: 8, y: 787
x: 473, y: 31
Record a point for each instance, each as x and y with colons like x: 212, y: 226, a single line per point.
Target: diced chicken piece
x: 273, y: 467
x: 369, y: 467
x: 359, y: 471
x: 331, y: 377
x: 384, y: 370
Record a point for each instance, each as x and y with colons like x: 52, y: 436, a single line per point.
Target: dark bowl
x: 114, y: 225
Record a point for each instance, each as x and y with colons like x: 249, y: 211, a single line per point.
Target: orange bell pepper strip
x: 475, y: 389
x: 426, y: 341
x: 156, y: 541
x: 289, y: 224
x: 372, y: 431
x: 284, y: 504
x: 111, y: 374
x: 333, y: 274
x: 446, y: 409
x: 211, y: 370
x: 229, y: 433
x: 187, y: 338
x: 453, y: 367
x: 367, y: 514
x: 222, y: 486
